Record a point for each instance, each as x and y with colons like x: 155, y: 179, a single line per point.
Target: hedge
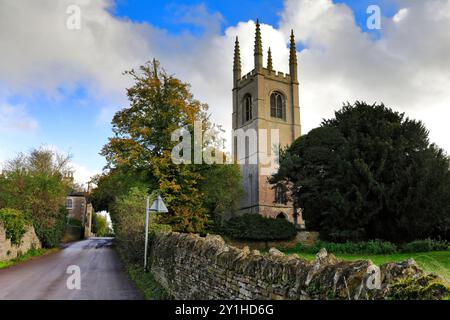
x: 50, y: 230
x: 257, y: 227
x: 376, y: 247
x: 425, y: 246
x: 367, y: 247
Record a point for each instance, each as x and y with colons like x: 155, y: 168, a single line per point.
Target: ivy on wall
x: 15, y: 224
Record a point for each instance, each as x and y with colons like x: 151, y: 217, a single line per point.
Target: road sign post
x: 158, y: 205
x: 147, y: 209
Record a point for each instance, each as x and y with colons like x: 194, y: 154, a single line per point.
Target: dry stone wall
x: 10, y: 251
x: 192, y: 267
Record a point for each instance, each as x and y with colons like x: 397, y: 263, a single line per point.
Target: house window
x: 248, y: 108
x: 280, y: 194
x: 69, y: 203
x: 277, y: 105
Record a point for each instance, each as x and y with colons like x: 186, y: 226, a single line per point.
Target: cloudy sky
x: 60, y: 87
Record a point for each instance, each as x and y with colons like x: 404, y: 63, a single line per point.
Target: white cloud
x: 407, y: 68
x: 39, y: 52
x: 15, y: 119
x: 400, y: 15
x: 82, y: 175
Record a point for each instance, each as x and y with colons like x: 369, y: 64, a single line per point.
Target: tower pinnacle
x: 237, y: 61
x: 258, y: 47
x: 293, y: 59
x: 269, y: 60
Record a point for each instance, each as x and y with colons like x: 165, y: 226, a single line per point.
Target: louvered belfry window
x: 248, y: 108
x: 277, y: 105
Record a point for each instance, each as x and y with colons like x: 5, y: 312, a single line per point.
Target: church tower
x: 265, y: 109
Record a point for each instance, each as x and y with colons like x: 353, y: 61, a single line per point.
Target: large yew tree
x: 369, y: 173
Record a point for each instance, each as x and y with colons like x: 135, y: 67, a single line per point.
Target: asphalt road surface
x: 45, y: 278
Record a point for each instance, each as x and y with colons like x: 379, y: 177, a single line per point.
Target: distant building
x: 80, y: 208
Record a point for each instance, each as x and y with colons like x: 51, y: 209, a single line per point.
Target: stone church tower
x: 264, y: 99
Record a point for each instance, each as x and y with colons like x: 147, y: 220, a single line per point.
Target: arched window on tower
x: 248, y: 112
x: 277, y: 105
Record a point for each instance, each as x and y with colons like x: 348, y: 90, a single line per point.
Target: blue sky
x: 162, y: 13
x: 73, y: 113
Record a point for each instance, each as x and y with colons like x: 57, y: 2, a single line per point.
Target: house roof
x: 77, y: 194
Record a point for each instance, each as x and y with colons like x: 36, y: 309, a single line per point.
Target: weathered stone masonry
x: 10, y: 251
x: 192, y: 267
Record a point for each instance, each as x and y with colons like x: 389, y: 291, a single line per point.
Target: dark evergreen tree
x: 369, y: 173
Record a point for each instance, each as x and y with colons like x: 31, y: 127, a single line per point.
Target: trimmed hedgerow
x: 257, y: 227
x: 367, y: 247
x: 15, y: 224
x: 375, y: 247
x: 425, y: 246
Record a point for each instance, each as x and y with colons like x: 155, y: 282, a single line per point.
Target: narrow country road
x: 45, y: 278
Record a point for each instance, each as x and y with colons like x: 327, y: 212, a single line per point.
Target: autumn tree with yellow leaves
x: 139, y: 153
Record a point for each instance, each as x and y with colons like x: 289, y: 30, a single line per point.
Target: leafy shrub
x: 99, y: 225
x: 50, y: 229
x: 155, y: 228
x: 34, y: 184
x: 257, y: 227
x: 187, y: 220
x: 128, y: 216
x: 14, y: 223
x: 425, y: 246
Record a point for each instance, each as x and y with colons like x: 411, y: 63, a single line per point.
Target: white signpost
x: 158, y: 205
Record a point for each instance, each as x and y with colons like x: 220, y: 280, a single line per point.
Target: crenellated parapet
x: 268, y: 71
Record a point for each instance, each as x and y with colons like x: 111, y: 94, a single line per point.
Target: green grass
x: 437, y: 262
x: 146, y: 283
x: 32, y: 253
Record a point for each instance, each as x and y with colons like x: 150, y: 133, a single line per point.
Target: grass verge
x: 29, y: 255
x: 437, y: 262
x: 146, y: 283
